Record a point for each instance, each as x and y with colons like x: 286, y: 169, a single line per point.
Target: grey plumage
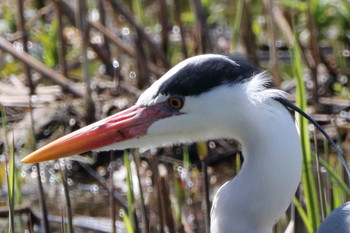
x: 338, y: 221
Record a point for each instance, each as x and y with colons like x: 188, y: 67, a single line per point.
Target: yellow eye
x: 175, y: 102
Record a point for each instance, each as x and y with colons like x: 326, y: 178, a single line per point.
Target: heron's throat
x: 262, y: 191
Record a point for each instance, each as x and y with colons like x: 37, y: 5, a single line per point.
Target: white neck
x: 259, y: 195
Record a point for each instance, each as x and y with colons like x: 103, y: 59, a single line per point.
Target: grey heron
x: 210, y: 97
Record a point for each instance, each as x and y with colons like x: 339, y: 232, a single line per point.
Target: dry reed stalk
x: 315, y: 54
x: 111, y: 185
x: 85, y: 38
x: 71, y: 14
x: 203, y: 38
x: 42, y: 202
x: 105, y: 43
x: 51, y: 74
x: 118, y: 197
x: 202, y: 149
x: 61, y: 42
x: 130, y: 18
x: 164, y: 21
x: 123, y: 46
x: 24, y: 40
x: 144, y: 215
x: 142, y: 76
x: 206, y: 194
x: 100, y: 51
x: 177, y: 14
x: 32, y: 146
x: 248, y: 36
x: 166, y: 204
x: 67, y: 197
x: 274, y: 59
x: 155, y: 178
x: 286, y: 28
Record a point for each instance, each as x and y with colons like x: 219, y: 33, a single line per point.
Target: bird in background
x: 212, y: 97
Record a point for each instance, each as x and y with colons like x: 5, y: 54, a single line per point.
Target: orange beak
x: 128, y: 124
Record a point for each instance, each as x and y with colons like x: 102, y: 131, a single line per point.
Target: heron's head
x: 204, y: 97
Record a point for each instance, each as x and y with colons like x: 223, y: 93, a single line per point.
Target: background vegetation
x: 64, y: 64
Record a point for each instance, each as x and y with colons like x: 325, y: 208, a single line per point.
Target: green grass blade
x: 186, y: 158
x: 11, y: 187
x: 10, y: 171
x: 303, y: 215
x: 336, y: 177
x: 48, y: 39
x: 130, y: 193
x: 138, y: 10
x: 308, y: 180
x: 236, y: 28
x: 127, y: 222
x: 178, y: 200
